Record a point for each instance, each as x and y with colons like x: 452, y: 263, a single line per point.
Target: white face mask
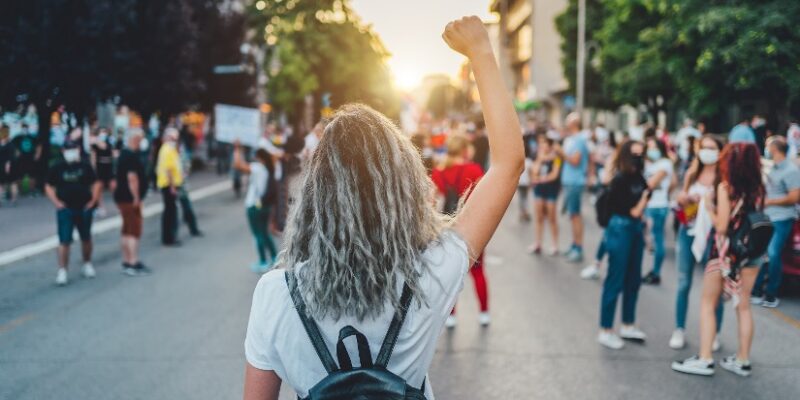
x: 708, y: 156
x: 102, y: 137
x: 72, y: 155
x: 144, y: 145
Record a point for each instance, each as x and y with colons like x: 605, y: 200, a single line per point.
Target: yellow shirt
x: 168, y: 166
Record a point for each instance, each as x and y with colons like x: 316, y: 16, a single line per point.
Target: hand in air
x: 467, y: 36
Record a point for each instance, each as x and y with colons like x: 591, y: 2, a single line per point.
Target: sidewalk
x: 33, y: 218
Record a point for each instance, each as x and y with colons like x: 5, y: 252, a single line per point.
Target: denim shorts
x: 572, y: 199
x: 68, y: 219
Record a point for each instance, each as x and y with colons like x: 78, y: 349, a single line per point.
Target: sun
x: 405, y: 77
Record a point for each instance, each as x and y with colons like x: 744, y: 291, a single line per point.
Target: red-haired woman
x: 740, y: 191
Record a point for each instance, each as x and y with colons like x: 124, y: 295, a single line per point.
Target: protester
x: 545, y: 174
x: 260, y: 199
x: 480, y: 145
x: 8, y: 184
x: 592, y: 271
x: 102, y: 157
x: 740, y: 191
x: 523, y: 189
x: 454, y: 179
x: 313, y: 138
x: 169, y: 174
x: 575, y: 154
x: 684, y: 140
x: 29, y: 151
x: 742, y: 132
x: 659, y: 173
x: 783, y: 194
x: 364, y: 228
x: 793, y: 139
x: 130, y: 190
x: 628, y: 194
x: 699, y: 181
x: 759, y: 125
x: 73, y: 188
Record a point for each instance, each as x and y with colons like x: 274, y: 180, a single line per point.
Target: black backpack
x: 751, y: 237
x: 370, y: 380
x: 451, y: 196
x: 270, y: 195
x: 602, y: 207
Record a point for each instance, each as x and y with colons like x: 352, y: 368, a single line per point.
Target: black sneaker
x: 142, y: 269
x: 651, y: 279
x: 770, y: 302
x: 129, y: 270
x: 197, y: 234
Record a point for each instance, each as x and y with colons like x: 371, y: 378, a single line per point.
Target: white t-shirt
x: 660, y: 198
x: 277, y: 341
x: 256, y: 184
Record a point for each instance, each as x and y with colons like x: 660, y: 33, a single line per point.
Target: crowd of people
x: 80, y: 169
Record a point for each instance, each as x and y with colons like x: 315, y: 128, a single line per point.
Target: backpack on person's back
x: 370, y: 380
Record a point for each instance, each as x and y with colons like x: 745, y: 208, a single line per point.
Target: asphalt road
x: 178, y: 334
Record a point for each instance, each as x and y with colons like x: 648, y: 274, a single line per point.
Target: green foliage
x: 322, y: 47
x: 701, y: 56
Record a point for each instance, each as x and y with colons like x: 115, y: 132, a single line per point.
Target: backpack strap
x: 394, y: 329
x: 310, y: 326
x: 364, y: 355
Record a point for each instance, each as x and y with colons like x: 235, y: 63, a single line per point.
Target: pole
x: 581, y: 55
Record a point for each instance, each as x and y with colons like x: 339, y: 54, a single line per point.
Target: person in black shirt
x: 28, y: 153
x: 623, y: 238
x: 73, y: 188
x: 102, y: 154
x: 130, y: 190
x: 480, y: 143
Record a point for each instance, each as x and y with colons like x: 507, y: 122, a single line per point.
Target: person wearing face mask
x: 102, y: 156
x: 169, y: 178
x: 623, y: 237
x: 73, y: 188
x: 699, y: 180
x: 658, y: 172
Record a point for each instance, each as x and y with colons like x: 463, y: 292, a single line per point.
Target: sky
x: 411, y: 31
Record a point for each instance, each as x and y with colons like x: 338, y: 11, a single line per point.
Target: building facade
x: 530, y: 54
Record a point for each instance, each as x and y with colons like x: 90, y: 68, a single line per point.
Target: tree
x: 597, y: 95
x: 322, y: 48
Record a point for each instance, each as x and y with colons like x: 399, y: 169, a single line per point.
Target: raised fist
x: 467, y: 36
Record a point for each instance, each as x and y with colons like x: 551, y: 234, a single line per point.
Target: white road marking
x: 105, y: 225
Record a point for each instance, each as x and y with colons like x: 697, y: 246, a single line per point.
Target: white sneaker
x: 61, y: 277
x: 716, y: 345
x: 694, y: 365
x: 678, y: 339
x: 610, y: 340
x: 632, y: 333
x: 484, y: 319
x: 590, y: 272
x: 88, y: 270
x: 737, y: 367
x: 450, y: 322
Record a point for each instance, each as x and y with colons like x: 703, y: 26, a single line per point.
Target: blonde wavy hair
x: 363, y: 218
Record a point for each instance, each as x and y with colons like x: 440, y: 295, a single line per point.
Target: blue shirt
x: 783, y: 177
x: 742, y: 133
x: 575, y: 175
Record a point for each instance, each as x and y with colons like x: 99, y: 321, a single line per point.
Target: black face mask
x: 638, y: 162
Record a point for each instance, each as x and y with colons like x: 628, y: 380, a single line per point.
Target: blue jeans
x: 625, y: 246
x: 658, y: 216
x: 774, y: 268
x: 686, y: 263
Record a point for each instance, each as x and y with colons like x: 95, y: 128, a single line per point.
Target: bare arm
x: 485, y: 207
x: 792, y: 198
x: 656, y: 179
x: 133, y: 186
x: 638, y: 210
x: 238, y: 161
x: 260, y: 384
x: 720, y: 216
x: 50, y: 192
